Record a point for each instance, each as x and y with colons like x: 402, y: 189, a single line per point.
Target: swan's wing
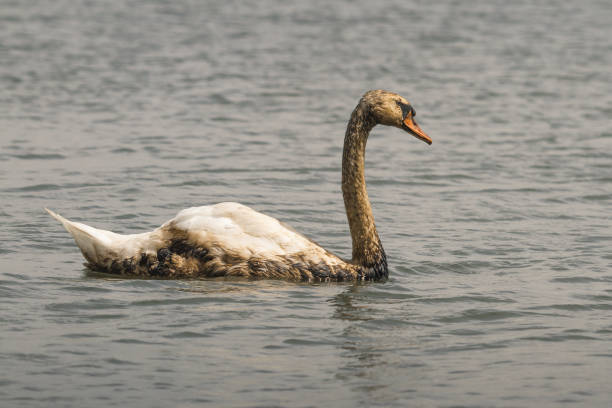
x: 244, y: 232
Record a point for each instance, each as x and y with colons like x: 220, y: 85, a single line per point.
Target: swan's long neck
x: 367, y: 248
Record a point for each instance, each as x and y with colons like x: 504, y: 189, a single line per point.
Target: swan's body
x: 230, y: 239
x: 226, y: 239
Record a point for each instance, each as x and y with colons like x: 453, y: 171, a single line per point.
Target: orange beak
x: 411, y: 126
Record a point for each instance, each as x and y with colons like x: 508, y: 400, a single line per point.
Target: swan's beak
x: 411, y: 126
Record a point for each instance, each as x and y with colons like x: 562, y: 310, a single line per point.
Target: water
x: 120, y: 114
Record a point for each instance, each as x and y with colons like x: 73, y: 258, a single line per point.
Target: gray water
x: 499, y: 235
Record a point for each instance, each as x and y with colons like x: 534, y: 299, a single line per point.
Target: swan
x: 232, y: 240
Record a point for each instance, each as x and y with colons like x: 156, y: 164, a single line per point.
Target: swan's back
x: 240, y: 230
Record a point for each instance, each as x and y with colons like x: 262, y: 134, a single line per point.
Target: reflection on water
x: 343, y: 304
x: 375, y: 362
x: 362, y: 360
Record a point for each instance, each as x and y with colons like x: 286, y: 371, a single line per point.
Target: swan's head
x: 391, y: 109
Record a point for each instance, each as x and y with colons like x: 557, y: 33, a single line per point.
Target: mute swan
x: 230, y: 239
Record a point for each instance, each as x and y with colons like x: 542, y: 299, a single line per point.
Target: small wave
x: 478, y: 315
x: 80, y: 335
x: 48, y: 187
x: 461, y: 267
x: 181, y: 301
x: 95, y: 304
x: 123, y: 150
x: 87, y: 289
x: 187, y: 335
x: 117, y: 361
x: 463, y: 299
x: 136, y: 341
x: 559, y: 337
x: 581, y: 279
x: 43, y: 156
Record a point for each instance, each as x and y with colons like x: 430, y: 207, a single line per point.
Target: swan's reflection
x: 210, y: 286
x: 372, y: 345
x: 364, y: 361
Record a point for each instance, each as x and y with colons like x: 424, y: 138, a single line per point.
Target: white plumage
x: 241, y: 230
x: 99, y: 245
x: 232, y: 227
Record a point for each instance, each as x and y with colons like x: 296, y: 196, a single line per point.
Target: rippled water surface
x: 499, y: 235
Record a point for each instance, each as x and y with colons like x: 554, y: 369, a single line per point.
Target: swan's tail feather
x: 98, y: 246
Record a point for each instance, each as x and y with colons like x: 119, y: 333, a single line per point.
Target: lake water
x: 499, y: 235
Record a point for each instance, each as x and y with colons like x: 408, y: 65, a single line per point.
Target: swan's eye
x: 406, y: 109
x: 413, y: 111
